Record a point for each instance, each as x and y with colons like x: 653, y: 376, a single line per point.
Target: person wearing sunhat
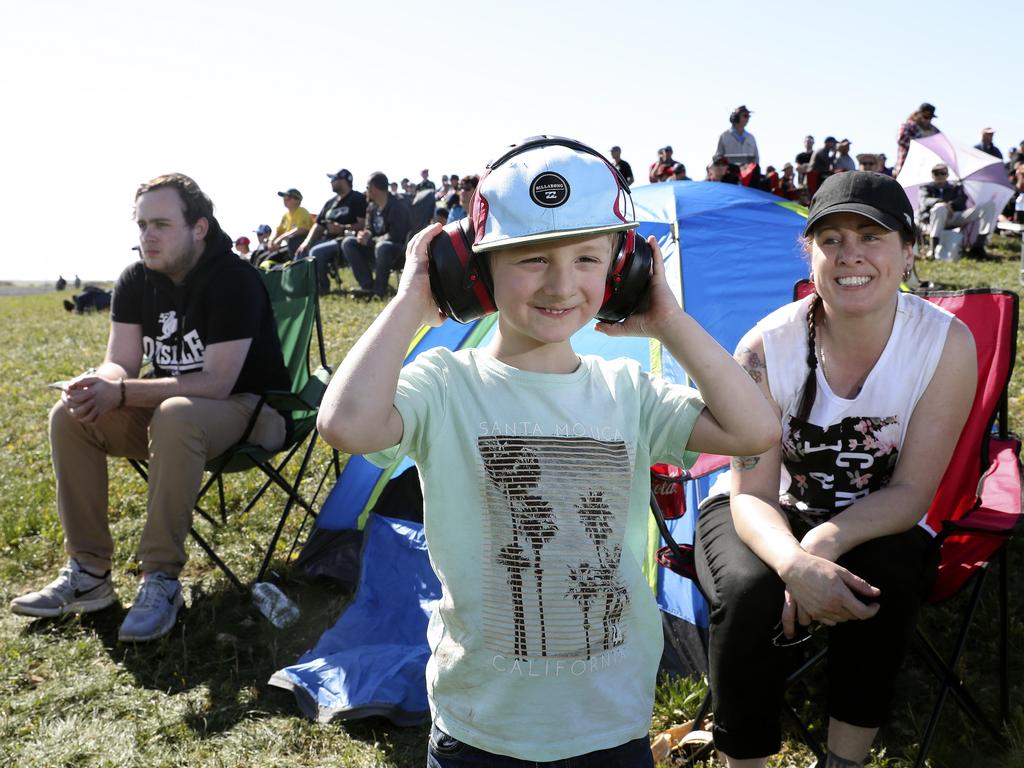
x: 986, y: 145
x: 737, y: 144
x: 917, y: 126
x: 872, y: 386
x: 295, y: 223
x: 535, y: 461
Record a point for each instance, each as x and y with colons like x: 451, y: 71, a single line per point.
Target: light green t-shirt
x: 536, y: 489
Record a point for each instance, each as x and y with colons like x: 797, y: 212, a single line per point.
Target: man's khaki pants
x: 177, y: 437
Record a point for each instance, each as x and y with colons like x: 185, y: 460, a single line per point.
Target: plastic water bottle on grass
x: 274, y: 604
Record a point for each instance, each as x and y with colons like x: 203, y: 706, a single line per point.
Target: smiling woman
x: 872, y: 387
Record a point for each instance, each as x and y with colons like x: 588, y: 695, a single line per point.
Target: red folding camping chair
x: 975, y: 511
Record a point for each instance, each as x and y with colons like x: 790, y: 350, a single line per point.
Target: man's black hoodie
x: 222, y: 298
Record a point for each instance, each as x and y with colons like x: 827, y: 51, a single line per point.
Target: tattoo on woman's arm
x: 751, y: 363
x: 743, y: 463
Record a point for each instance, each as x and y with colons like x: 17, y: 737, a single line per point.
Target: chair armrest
x: 998, y: 511
x: 306, y: 400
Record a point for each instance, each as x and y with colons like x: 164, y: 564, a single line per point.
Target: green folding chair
x: 293, y: 297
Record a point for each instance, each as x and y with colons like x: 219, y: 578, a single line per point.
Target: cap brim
x: 563, y: 234
x: 883, y: 219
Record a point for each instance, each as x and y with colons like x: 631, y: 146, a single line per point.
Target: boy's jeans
x: 448, y: 752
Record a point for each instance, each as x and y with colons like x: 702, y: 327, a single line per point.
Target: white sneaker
x: 154, y: 611
x: 73, y: 591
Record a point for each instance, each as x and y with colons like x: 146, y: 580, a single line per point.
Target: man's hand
x: 301, y: 250
x: 334, y: 228
x: 363, y: 237
x: 88, y: 397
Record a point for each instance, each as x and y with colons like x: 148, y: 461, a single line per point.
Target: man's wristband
x: 123, y: 395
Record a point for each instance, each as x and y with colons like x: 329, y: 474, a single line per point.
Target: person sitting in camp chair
x: 827, y: 528
x: 203, y: 317
x: 944, y: 208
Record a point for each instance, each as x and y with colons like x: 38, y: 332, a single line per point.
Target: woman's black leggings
x: 746, y: 597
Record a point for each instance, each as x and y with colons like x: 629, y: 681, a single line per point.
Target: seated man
x: 944, y: 208
x: 842, y: 160
x: 664, y: 168
x: 467, y: 186
x: 262, y: 249
x: 722, y: 170
x: 344, y: 214
x: 374, y: 251
x: 291, y: 231
x: 242, y: 248
x: 202, y: 315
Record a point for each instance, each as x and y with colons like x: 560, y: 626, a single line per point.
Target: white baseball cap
x: 549, y: 192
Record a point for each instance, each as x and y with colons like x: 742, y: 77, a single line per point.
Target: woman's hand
x: 657, y: 309
x: 415, y: 283
x: 819, y: 590
x: 822, y: 541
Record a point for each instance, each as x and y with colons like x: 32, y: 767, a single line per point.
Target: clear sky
x: 253, y: 97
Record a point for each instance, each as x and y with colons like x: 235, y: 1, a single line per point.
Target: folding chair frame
x: 244, y: 456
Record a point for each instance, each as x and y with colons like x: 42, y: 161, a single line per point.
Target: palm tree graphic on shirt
x: 551, y: 517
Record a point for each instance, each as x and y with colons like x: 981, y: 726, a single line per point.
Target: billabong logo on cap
x: 549, y: 190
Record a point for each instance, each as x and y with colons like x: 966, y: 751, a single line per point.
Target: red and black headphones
x: 460, y: 279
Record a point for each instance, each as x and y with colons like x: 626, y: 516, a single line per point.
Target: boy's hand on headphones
x: 658, y: 308
x: 415, y: 283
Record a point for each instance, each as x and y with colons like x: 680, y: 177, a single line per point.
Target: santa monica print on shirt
x: 839, y: 465
x: 553, y: 529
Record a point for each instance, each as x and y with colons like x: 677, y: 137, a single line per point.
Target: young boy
x: 535, y: 469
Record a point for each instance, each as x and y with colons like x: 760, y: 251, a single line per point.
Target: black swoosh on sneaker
x: 84, y: 592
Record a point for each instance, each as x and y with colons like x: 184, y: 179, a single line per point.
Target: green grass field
x: 71, y: 695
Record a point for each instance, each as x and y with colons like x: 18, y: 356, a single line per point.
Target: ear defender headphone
x: 460, y: 279
x: 734, y: 116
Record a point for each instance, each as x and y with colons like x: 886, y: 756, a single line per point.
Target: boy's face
x: 547, y: 291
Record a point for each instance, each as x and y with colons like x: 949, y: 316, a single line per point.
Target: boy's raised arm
x: 738, y: 420
x: 358, y: 413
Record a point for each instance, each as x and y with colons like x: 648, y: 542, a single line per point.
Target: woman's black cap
x: 879, y: 197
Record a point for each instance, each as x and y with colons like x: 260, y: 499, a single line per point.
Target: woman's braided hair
x: 810, y: 389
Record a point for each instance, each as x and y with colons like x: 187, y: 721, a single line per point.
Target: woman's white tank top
x: 848, y: 447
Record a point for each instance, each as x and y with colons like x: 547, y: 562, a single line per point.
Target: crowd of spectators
x: 737, y: 161
x: 367, y: 231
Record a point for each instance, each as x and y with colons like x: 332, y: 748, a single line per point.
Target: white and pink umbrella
x: 982, y: 175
